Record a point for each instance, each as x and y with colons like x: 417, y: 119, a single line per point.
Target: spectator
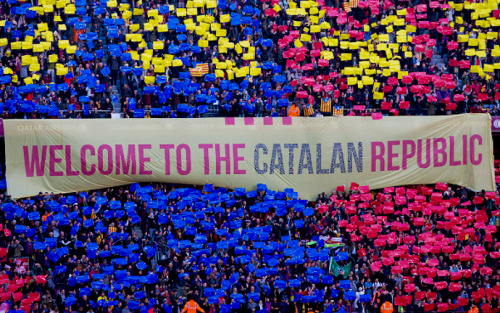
x: 191, y: 306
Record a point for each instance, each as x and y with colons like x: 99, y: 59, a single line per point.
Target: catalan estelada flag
x: 338, y: 111
x: 308, y: 110
x: 199, y: 70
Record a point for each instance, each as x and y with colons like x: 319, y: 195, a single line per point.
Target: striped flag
x: 338, y: 111
x: 195, y: 72
x: 351, y: 4
x: 199, y: 70
x: 308, y: 110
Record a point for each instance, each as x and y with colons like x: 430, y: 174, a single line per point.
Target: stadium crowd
x: 87, y: 59
x: 166, y: 248
x: 169, y: 248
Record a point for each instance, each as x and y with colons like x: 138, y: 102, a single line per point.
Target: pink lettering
x: 167, y: 149
x: 67, y: 155
x: 179, y: 159
x: 35, y: 163
x: 129, y: 164
x: 219, y: 159
x: 206, y: 158
x: 143, y: 160
x: 83, y: 160
x: 473, y: 159
x: 464, y: 152
x: 439, y: 151
x: 53, y: 160
x: 100, y: 159
x: 378, y: 156
x: 408, y: 152
x: 453, y: 162
x: 391, y: 155
x: 237, y: 159
x: 427, y: 153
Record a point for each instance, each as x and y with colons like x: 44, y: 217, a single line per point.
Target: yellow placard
x: 34, y: 67
x: 305, y: 37
x: 158, y: 45
x: 38, y: 48
x: 26, y: 60
x: 53, y: 58
x: 61, y: 71
x: 70, y: 49
x: 255, y: 71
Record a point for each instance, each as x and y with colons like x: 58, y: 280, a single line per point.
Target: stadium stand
x: 79, y: 59
x: 153, y: 248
